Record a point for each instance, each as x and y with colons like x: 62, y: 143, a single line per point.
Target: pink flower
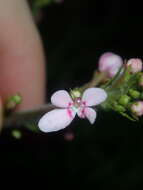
x: 61, y: 117
x: 137, y: 108
x: 110, y: 63
x: 135, y: 65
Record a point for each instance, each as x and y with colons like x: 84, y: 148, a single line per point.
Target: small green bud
x: 134, y: 93
x: 16, y: 98
x: 16, y: 134
x: 13, y: 101
x: 124, y: 100
x: 119, y: 108
x: 75, y: 93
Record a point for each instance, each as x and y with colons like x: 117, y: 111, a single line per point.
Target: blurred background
x: 109, y: 153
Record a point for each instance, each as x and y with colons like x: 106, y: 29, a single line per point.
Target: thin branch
x: 18, y: 119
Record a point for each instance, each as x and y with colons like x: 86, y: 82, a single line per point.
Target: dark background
x: 108, y: 154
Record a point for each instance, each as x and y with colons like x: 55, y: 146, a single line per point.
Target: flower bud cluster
x: 129, y: 100
x: 132, y: 102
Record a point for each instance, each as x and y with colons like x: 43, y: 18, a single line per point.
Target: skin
x: 21, y: 55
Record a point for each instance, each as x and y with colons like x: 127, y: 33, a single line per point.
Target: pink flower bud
x: 110, y: 63
x: 137, y: 108
x: 135, y: 65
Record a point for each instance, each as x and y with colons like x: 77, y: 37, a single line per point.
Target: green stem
x: 112, y: 83
x: 18, y: 119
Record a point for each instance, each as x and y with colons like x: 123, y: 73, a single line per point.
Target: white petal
x: 61, y: 98
x: 87, y: 112
x: 81, y: 112
x: 90, y: 114
x: 94, y: 96
x: 56, y: 119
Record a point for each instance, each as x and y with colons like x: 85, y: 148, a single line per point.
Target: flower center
x: 76, y: 105
x: 77, y: 102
